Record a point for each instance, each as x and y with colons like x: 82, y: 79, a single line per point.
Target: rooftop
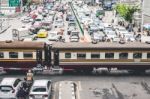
x: 21, y: 45
x: 102, y: 45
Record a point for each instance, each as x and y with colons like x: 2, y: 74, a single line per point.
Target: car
x: 53, y: 36
x: 42, y: 33
x: 41, y: 89
x: 110, y: 35
x: 47, y: 25
x: 121, y: 31
x: 129, y: 37
x: 93, y: 28
x: 74, y: 37
x: 71, y: 27
x: 107, y: 29
x: 98, y: 36
x: 107, y: 5
x: 59, y: 23
x: 9, y: 88
x: 26, y: 19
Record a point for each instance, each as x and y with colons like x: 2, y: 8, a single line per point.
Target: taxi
x: 42, y: 33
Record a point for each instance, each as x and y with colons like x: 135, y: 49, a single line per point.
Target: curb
x: 5, y: 29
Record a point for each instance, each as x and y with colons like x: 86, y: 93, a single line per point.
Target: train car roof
x: 101, y: 45
x: 21, y: 45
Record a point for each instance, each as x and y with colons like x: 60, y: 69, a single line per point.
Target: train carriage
x: 86, y: 56
x: 18, y: 55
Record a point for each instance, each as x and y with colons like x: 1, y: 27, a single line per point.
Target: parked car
x: 42, y: 33
x: 9, y: 88
x: 41, y: 89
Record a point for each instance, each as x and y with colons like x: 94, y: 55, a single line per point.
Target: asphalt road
x: 113, y: 86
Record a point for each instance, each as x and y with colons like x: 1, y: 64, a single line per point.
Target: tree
x: 126, y: 11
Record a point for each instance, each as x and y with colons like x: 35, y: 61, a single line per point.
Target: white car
x: 111, y: 34
x: 129, y: 37
x: 41, y: 89
x: 121, y: 31
x: 26, y: 19
x: 9, y: 88
x: 53, y: 36
x: 59, y: 23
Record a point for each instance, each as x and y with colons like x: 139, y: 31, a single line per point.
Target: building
x: 146, y: 11
x: 9, y: 7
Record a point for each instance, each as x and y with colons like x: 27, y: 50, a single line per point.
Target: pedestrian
x: 25, y: 85
x: 29, y: 78
x: 21, y: 94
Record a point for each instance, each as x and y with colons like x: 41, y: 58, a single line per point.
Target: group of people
x: 25, y: 86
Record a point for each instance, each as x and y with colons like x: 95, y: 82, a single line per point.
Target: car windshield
x: 72, y: 24
x: 5, y: 88
x: 108, y: 29
x: 39, y: 89
x: 38, y: 20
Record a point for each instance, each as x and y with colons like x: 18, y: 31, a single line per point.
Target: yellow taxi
x: 42, y: 33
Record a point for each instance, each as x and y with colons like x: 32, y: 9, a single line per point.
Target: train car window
x: 95, y: 55
x: 1, y: 55
x: 109, y: 55
x: 13, y: 54
x: 123, y: 56
x: 67, y: 55
x: 148, y: 55
x: 27, y: 55
x: 137, y: 55
x: 81, y: 55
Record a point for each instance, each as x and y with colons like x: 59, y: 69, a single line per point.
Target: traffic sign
x: 14, y: 3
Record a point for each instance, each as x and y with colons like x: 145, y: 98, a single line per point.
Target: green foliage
x: 126, y: 11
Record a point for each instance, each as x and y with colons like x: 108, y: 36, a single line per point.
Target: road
x: 114, y: 86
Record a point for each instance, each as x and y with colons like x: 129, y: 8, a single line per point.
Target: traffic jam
x: 74, y: 22
x: 51, y: 22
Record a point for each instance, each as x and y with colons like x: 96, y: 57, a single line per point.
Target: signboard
x: 14, y: 3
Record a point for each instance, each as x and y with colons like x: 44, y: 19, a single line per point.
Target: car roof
x: 8, y: 81
x: 42, y: 82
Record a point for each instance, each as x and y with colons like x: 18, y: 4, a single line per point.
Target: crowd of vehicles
x: 74, y: 56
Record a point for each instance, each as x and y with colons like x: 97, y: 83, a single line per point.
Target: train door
x: 56, y: 57
x: 48, y: 55
x: 39, y: 56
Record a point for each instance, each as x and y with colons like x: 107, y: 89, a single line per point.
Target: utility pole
x: 142, y: 11
x: 21, y: 5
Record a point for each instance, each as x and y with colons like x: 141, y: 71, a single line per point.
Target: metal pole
x: 21, y: 5
x: 142, y: 20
